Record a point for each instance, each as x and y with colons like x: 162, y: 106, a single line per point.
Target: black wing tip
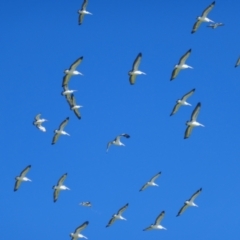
x: 200, y: 190
x: 87, y: 222
x: 213, y: 3
x: 199, y: 104
x: 29, y: 166
x: 185, y: 137
x: 193, y: 32
x: 178, y: 215
x: 194, y: 89
x: 160, y: 173
x: 14, y: 190
x: 67, y: 118
x: 140, y: 54
x: 190, y: 50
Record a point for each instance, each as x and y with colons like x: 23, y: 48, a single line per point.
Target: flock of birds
x: 133, y: 73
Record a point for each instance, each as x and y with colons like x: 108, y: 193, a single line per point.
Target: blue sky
x: 41, y: 39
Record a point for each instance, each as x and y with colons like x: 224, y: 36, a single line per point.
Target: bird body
x: 157, y: 225
x: 57, y: 188
x: 118, y: 215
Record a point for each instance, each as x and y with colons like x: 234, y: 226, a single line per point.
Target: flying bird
x: 22, y: 178
x: 238, y: 62
x: 181, y: 65
x: 182, y: 102
x: 134, y: 72
x: 215, y: 25
x: 73, y: 106
x: 190, y: 203
x: 38, y: 122
x: 150, y: 182
x: 77, y: 231
x: 83, y: 12
x: 193, y: 123
x: 59, y: 187
x: 67, y: 91
x: 203, y: 18
x: 85, y: 204
x: 118, y: 215
x: 71, y: 71
x: 60, y: 131
x: 117, y: 141
x: 157, y: 225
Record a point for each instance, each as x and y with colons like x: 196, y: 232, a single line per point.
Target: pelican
x: 182, y: 102
x: 157, y: 225
x: 215, y: 25
x: 193, y: 123
x: 150, y: 182
x: 60, y: 131
x: 203, y: 18
x: 181, y: 65
x: 59, y: 187
x: 238, y: 62
x: 118, y: 215
x: 85, y: 204
x: 67, y: 91
x: 83, y: 12
x: 134, y: 72
x: 71, y: 71
x: 77, y: 231
x: 116, y: 141
x: 73, y: 106
x: 189, y: 203
x: 22, y: 178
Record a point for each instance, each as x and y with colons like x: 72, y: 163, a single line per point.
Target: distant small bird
x: 118, y: 215
x: 150, y: 182
x: 83, y: 12
x: 157, y: 225
x: 60, y: 131
x: 134, y: 72
x: 85, y: 204
x: 38, y: 122
x: 182, y: 102
x: 203, y: 18
x: 238, y: 62
x: 59, y: 187
x: 71, y: 71
x: 22, y: 178
x: 117, y: 141
x: 181, y: 65
x: 193, y: 123
x: 77, y: 231
x: 215, y: 25
x: 73, y: 106
x: 190, y: 203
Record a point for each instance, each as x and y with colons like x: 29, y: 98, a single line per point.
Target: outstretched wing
x: 25, y: 171
x: 75, y: 64
x: 192, y: 198
x: 208, y: 9
x: 175, y: 108
x: 159, y: 218
x: 132, y: 78
x: 84, y: 5
x: 184, y: 57
x: 188, y: 131
x: 137, y: 62
x: 111, y: 221
x: 196, y: 26
x: 196, y: 112
x: 175, y: 73
x: 121, y: 210
x: 183, y: 208
x: 155, y: 177
x: 62, y: 179
x: 63, y: 124
x: 55, y: 138
x: 187, y: 95
x: 81, y: 227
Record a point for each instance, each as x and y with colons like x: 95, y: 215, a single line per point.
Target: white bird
x: 22, y: 178
x: 38, y: 122
x: 134, y: 72
x: 193, y: 123
x: 182, y: 102
x: 117, y: 141
x: 203, y: 18
x: 60, y: 131
x: 157, y: 225
x: 215, y: 25
x: 59, y: 187
x: 150, y: 182
x: 71, y: 71
x: 73, y: 106
x: 85, y: 204
x: 181, y: 65
x: 67, y: 91
x: 77, y: 231
x: 238, y: 62
x: 118, y: 215
x: 83, y: 12
x: 189, y: 203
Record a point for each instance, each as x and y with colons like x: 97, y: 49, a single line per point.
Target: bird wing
x: 175, y: 73
x: 196, y: 26
x: 155, y: 177
x: 77, y: 113
x: 63, y: 124
x: 208, y: 9
x: 40, y: 127
x: 62, y: 179
x: 37, y: 117
x: 132, y: 79
x: 238, y: 62
x: 69, y: 100
x: 55, y: 138
x: 84, y: 5
x: 80, y: 18
x: 125, y: 135
x: 81, y: 227
x: 66, y: 79
x: 175, y: 108
x: 56, y: 194
x: 192, y: 198
x: 183, y: 208
x: 17, y: 185
x: 121, y: 210
x: 73, y: 100
x: 187, y: 95
x: 188, y: 132
x: 196, y: 112
x: 109, y: 144
x: 144, y: 187
x: 137, y: 62
x: 184, y: 57
x: 111, y: 221
x: 75, y: 64
x: 25, y: 171
x: 159, y: 218
x: 148, y: 228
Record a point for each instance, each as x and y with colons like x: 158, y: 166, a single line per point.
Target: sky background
x: 40, y: 39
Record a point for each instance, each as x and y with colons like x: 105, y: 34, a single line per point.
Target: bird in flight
x: 38, y: 122
x: 60, y: 131
x: 83, y: 12
x: 22, y: 178
x: 59, y: 187
x: 157, y: 225
x: 117, y: 141
x: 77, y: 231
x: 150, y: 182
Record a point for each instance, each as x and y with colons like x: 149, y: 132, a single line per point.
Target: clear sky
x: 39, y: 39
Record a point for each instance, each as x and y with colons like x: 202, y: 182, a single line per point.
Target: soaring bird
x: 83, y: 12
x: 182, y: 102
x: 181, y: 65
x: 60, y: 131
x: 22, y: 178
x: 203, y: 18
x: 117, y: 141
x: 157, y: 225
x: 189, y: 203
x: 118, y: 215
x: 150, y: 182
x: 71, y: 71
x: 67, y: 91
x: 38, y: 122
x: 73, y: 106
x: 77, y: 231
x: 85, y: 204
x: 215, y: 25
x: 59, y: 187
x: 193, y: 123
x: 134, y: 72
